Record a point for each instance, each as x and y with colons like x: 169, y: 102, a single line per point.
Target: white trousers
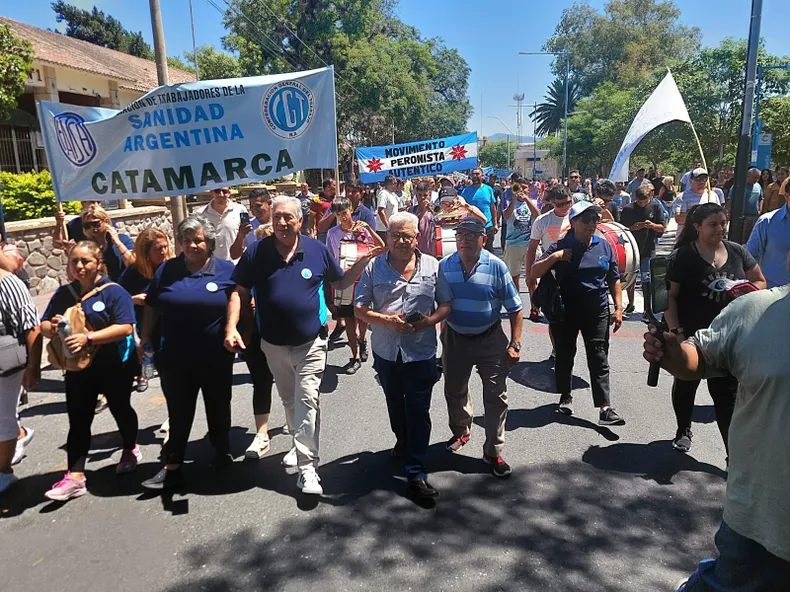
x: 297, y: 372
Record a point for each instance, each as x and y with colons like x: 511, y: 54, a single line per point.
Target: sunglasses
x: 562, y: 204
x: 590, y: 218
x: 221, y: 191
x: 91, y: 225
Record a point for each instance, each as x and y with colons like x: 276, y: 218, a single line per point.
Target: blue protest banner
x: 418, y: 159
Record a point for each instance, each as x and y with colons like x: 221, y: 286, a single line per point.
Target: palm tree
x: 551, y: 113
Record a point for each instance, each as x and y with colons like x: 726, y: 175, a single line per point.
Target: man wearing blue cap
x: 480, y: 285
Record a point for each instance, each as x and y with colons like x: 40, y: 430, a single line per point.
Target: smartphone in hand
x: 245, y: 218
x: 413, y: 317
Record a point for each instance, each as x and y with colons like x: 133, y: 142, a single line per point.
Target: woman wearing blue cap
x: 586, y: 270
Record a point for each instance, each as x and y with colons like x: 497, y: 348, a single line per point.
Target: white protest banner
x: 664, y: 105
x: 191, y: 137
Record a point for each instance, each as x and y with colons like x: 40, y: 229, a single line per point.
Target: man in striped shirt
x: 480, y: 285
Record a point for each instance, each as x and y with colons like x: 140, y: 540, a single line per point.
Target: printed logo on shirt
x: 212, y: 287
x: 716, y: 286
x: 98, y: 306
x: 307, y: 274
x: 603, y: 261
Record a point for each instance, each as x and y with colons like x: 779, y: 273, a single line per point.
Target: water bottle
x: 64, y: 330
x: 148, y: 362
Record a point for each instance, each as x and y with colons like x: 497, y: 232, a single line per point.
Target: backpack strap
x: 73, y: 292
x: 95, y: 291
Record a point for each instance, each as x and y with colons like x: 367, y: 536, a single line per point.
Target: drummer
x: 346, y: 230
x: 452, y: 203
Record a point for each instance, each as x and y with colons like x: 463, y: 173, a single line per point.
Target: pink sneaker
x: 129, y: 461
x: 67, y: 488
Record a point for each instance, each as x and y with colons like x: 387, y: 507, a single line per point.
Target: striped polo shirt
x: 479, y: 298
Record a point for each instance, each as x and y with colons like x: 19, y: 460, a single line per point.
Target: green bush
x: 30, y: 195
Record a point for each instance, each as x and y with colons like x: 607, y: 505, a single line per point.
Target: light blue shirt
x: 479, y: 298
x: 482, y: 198
x: 754, y: 195
x: 383, y: 289
x: 770, y: 245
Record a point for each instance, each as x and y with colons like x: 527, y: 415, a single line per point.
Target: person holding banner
x: 117, y: 249
x: 481, y: 195
x: 362, y: 236
x: 426, y: 242
x: 287, y: 272
x: 66, y: 235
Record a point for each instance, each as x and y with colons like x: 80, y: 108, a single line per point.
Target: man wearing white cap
x: 696, y: 193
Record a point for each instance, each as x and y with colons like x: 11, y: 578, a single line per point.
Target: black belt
x: 485, y: 333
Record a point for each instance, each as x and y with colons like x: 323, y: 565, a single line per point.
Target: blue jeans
x: 408, y: 387
x: 743, y: 565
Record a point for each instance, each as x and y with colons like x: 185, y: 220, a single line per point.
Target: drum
x: 626, y: 251
x: 445, y: 241
x: 350, y: 253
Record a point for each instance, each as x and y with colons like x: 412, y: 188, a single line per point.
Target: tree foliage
x: 98, y: 28
x: 776, y: 115
x: 391, y: 83
x: 550, y: 114
x: 16, y: 57
x: 623, y: 44
x: 30, y: 195
x: 213, y: 64
x: 496, y: 154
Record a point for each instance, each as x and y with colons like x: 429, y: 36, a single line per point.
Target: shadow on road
x: 563, y: 526
x: 547, y: 414
x: 540, y: 376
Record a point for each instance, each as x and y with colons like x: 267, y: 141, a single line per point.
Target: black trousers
x: 112, y: 379
x: 490, y: 235
x: 503, y: 234
x: 722, y: 390
x: 594, y: 327
x: 181, y: 381
x: 262, y: 379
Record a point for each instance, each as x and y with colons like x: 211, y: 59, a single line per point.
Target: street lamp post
x: 758, y: 124
x: 509, y: 131
x: 566, y: 53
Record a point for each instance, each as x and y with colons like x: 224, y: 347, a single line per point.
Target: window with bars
x: 20, y: 151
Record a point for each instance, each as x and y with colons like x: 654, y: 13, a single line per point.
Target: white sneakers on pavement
x: 21, y: 445
x: 289, y: 460
x: 259, y: 447
x: 309, y: 482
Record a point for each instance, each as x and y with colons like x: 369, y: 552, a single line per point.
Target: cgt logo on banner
x: 416, y: 159
x: 192, y: 137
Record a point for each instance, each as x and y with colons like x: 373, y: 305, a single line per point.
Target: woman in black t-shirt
x: 703, y: 258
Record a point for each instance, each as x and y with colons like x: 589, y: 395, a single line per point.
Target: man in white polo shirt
x: 225, y: 214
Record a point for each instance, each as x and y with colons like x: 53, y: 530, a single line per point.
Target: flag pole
x: 701, y: 154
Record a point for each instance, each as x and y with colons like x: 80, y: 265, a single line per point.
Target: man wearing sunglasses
x: 547, y: 229
x: 697, y: 192
x: 575, y: 187
x: 226, y: 216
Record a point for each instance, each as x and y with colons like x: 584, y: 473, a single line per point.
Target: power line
x: 292, y: 32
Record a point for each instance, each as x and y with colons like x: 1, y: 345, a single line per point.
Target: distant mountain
x: 500, y: 137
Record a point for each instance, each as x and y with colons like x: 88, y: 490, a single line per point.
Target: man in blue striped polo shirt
x: 481, y: 285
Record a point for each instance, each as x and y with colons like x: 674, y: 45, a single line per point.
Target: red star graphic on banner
x: 374, y: 165
x: 458, y: 152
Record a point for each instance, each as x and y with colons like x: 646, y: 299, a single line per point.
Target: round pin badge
x: 307, y: 274
x: 212, y: 287
x: 98, y: 306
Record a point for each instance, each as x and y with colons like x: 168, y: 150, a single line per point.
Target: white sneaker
x: 8, y: 479
x: 310, y: 483
x: 259, y: 447
x: 21, y: 446
x: 289, y: 460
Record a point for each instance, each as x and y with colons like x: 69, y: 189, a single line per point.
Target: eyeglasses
x: 701, y: 179
x: 402, y: 237
x: 563, y: 204
x: 467, y: 237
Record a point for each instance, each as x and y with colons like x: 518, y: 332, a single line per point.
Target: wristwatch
x: 89, y: 338
x: 515, y: 346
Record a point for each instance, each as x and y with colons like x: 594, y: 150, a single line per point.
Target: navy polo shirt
x: 289, y: 297
x: 585, y: 280
x: 113, y: 260
x: 193, y: 307
x: 111, y: 306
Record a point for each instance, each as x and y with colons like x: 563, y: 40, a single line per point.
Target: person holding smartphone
x: 399, y: 296
x: 645, y: 219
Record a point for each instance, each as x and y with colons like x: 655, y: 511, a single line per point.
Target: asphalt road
x: 586, y: 508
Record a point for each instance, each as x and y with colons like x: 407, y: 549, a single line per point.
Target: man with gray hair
x: 398, y: 296
x: 286, y: 273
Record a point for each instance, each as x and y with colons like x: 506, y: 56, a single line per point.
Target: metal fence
x: 20, y: 150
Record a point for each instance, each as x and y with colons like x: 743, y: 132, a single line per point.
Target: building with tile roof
x: 68, y: 70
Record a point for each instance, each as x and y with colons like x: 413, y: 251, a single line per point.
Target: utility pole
x: 177, y: 203
x: 744, y: 156
x: 194, y: 44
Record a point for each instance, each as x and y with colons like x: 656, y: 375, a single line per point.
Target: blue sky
x: 489, y: 35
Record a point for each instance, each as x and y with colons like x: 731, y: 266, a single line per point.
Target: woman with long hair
x: 697, y: 294
x: 766, y: 178
x: 109, y: 315
x: 151, y: 249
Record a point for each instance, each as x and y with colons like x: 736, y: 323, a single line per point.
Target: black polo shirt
x: 289, y: 297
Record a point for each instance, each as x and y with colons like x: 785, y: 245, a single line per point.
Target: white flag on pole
x: 664, y: 105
